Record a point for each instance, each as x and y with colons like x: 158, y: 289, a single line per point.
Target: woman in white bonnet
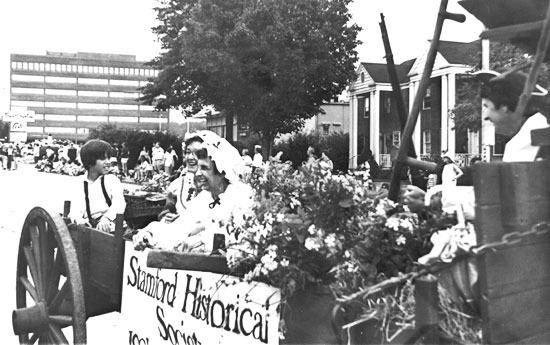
x: 223, y: 196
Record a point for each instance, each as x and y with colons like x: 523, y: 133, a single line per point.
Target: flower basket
x: 141, y: 210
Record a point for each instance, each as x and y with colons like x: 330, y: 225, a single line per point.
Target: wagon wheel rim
x: 48, y: 274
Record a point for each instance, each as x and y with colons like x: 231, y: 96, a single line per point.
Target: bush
x: 335, y: 146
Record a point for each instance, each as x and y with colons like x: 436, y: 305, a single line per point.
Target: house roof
x: 379, y: 71
x: 459, y: 52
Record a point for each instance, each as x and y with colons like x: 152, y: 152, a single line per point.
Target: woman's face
x: 191, y: 158
x: 206, y: 176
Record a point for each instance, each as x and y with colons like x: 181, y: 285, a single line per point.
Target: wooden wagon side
x: 514, y: 282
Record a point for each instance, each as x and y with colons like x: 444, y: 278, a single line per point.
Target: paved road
x: 20, y: 191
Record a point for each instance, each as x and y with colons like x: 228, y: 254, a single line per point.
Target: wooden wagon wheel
x: 54, y: 286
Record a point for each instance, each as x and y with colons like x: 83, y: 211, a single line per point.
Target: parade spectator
x: 158, y: 157
x: 71, y: 154
x: 124, y: 156
x: 247, y: 160
x: 101, y: 195
x: 258, y: 160
x: 170, y: 158
x: 10, y: 153
x: 36, y: 152
x: 451, y: 172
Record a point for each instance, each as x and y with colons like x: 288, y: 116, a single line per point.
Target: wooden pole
x: 400, y: 105
x: 422, y: 87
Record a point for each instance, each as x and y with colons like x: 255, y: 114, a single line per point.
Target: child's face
x: 101, y: 166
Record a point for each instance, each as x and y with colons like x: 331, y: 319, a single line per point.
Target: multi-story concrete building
x: 72, y: 93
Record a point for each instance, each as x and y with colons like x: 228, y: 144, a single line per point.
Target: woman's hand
x: 143, y: 239
x: 414, y: 199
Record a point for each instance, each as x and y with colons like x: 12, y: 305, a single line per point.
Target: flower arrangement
x: 311, y: 228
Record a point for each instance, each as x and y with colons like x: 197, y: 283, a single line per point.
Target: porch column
x: 444, y: 113
x: 417, y: 134
x: 451, y: 81
x: 375, y: 124
x: 352, y: 163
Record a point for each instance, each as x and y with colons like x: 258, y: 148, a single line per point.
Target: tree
x: 467, y: 111
x: 272, y: 63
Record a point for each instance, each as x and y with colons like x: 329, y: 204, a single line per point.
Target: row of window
x: 71, y: 105
x: 426, y: 103
x: 91, y: 118
x: 69, y: 80
x: 61, y: 92
x: 56, y: 67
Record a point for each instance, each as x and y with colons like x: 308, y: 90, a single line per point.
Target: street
x: 20, y: 191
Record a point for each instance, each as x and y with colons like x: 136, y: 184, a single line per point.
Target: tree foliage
x: 272, y: 63
x: 502, y: 56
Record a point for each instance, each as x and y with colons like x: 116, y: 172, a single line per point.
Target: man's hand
x: 143, y: 239
x: 414, y: 199
x: 104, y: 225
x: 170, y: 217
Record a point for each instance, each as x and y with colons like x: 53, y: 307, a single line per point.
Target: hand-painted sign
x: 165, y: 306
x: 18, y: 115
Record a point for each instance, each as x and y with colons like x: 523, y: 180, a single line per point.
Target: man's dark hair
x: 506, y: 90
x: 92, y: 151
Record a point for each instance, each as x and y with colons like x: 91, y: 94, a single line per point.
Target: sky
x: 124, y: 27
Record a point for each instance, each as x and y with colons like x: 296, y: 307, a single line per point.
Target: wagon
x: 67, y: 273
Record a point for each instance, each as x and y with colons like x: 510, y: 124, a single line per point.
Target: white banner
x: 166, y: 306
x: 18, y: 115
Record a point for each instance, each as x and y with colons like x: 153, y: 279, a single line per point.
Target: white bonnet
x: 227, y: 158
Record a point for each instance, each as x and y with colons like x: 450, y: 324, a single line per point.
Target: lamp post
x: 159, y: 99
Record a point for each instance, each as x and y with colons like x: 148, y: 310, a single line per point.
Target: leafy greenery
x: 272, y: 63
x: 309, y: 228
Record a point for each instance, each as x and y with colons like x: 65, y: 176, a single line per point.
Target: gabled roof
x: 459, y: 53
x: 379, y: 71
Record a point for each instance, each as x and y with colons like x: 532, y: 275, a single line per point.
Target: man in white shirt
x: 158, y: 157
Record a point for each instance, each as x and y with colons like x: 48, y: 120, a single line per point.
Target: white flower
x: 381, y: 210
x: 330, y: 241
x: 407, y: 224
x: 280, y: 217
x: 311, y: 229
x: 312, y: 243
x: 294, y: 203
x: 401, y: 240
x: 393, y: 223
x: 269, y: 218
x: 285, y: 262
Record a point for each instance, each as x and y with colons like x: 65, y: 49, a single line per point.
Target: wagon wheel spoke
x: 61, y: 320
x: 45, y: 339
x: 55, y: 275
x: 46, y: 254
x: 28, y: 286
x: 59, y: 297
x: 33, y: 268
x: 34, y: 338
x: 36, y: 250
x: 57, y: 334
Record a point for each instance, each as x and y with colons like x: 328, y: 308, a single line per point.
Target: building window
x: 367, y: 107
x: 396, y: 138
x: 362, y: 77
x: 326, y: 128
x: 427, y: 141
x: 387, y: 104
x: 427, y: 101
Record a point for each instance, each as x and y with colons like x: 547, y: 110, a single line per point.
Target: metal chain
x: 511, y: 238
x: 507, y: 240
